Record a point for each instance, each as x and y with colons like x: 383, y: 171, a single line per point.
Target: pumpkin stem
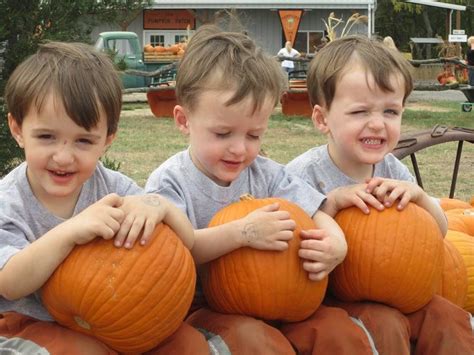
x: 246, y: 197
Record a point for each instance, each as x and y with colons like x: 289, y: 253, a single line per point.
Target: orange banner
x: 290, y: 21
x: 168, y: 20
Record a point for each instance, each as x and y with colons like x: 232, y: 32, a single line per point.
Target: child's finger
x: 318, y: 276
x: 284, y: 235
x: 279, y: 245
x: 134, y: 232
x: 269, y: 208
x: 288, y: 225
x: 310, y: 254
x: 113, y: 200
x: 147, y: 232
x: 403, y: 201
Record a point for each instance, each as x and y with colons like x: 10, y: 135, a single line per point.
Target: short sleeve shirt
x: 23, y: 219
x: 179, y: 180
x: 316, y: 167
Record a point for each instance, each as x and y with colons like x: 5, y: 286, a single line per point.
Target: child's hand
x: 101, y: 219
x: 388, y: 191
x: 142, y: 213
x: 267, y: 228
x: 347, y: 196
x: 322, y: 252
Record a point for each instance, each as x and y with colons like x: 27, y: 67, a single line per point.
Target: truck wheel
x: 466, y: 107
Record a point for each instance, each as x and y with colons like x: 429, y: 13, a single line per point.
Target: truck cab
x: 126, y: 48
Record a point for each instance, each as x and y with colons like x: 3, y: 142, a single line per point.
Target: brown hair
x: 84, y: 79
x: 218, y: 60
x: 339, y: 56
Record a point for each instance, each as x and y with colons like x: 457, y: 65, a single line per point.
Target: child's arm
x: 144, y: 212
x: 347, y: 196
x: 323, y: 248
x: 388, y: 191
x: 266, y: 228
x: 30, y: 268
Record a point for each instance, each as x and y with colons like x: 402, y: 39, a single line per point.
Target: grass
x: 144, y: 142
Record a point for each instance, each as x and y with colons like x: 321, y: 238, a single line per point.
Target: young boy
x: 227, y: 89
x: 64, y: 104
x: 358, y: 88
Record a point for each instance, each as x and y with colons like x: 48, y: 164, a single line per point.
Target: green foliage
x: 110, y: 163
x: 11, y: 154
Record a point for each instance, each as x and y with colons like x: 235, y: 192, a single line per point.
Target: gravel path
x: 416, y: 95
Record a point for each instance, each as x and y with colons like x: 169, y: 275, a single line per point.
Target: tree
x: 26, y: 24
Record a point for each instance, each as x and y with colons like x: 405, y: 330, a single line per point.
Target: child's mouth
x: 372, y: 141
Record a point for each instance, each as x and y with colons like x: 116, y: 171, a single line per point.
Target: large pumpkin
x: 271, y: 285
x: 461, y: 220
x: 129, y: 299
x: 394, y: 257
x: 465, y: 246
x: 453, y: 285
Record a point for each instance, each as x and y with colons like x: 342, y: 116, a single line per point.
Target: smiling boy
x: 64, y: 105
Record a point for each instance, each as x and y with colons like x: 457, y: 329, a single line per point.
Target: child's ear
x: 109, y: 140
x: 181, y: 119
x: 15, y: 130
x: 319, y: 119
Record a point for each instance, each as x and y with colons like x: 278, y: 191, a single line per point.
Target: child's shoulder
x: 313, y: 156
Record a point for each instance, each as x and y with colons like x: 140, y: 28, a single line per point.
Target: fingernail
x: 128, y: 245
x: 118, y: 244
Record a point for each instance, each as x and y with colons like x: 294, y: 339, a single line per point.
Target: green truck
x: 127, y: 50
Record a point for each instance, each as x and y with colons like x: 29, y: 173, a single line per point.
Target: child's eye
x: 392, y: 112
x: 254, y: 136
x: 45, y: 136
x: 222, y: 135
x: 360, y: 112
x: 84, y: 141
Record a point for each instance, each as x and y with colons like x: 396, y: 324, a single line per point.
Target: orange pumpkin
x: 472, y: 201
x: 465, y: 246
x: 129, y: 299
x: 461, y: 220
x: 394, y: 257
x: 149, y: 48
x: 453, y: 285
x: 452, y: 203
x: 270, y: 285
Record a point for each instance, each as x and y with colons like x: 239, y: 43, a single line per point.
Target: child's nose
x: 63, y: 155
x: 376, y: 122
x: 237, y: 147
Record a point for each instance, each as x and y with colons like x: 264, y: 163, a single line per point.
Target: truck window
x: 120, y: 46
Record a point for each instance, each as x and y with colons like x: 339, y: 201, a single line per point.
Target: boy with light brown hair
x: 358, y: 88
x: 64, y: 105
x: 227, y: 89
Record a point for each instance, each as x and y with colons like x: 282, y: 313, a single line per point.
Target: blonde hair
x: 338, y: 57
x: 388, y: 41
x: 84, y: 79
x: 218, y: 60
x: 470, y: 41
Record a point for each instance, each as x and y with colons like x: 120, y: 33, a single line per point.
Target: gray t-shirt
x: 23, y: 219
x: 316, y: 167
x: 180, y: 181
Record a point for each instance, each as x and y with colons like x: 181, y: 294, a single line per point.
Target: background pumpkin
x: 129, y: 299
x: 394, y: 257
x: 452, y: 203
x: 454, y: 282
x: 461, y: 220
x: 270, y: 285
x: 465, y: 245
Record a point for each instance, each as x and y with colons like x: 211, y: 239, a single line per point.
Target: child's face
x: 60, y: 155
x: 224, y: 140
x: 363, y: 124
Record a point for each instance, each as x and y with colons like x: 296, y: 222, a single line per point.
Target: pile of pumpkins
x: 174, y: 49
x: 133, y: 299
